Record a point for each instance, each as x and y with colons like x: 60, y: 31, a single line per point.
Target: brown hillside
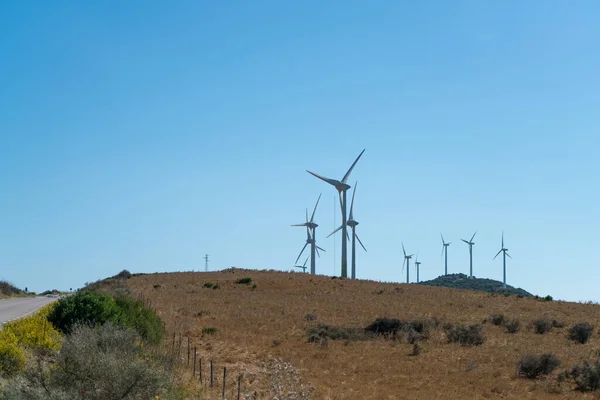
x: 253, y: 325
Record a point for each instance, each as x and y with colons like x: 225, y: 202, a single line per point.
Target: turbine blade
x: 508, y: 255
x: 341, y: 202
x: 361, y: 243
x: 464, y: 241
x: 345, y: 178
x: 497, y: 254
x: 317, y: 251
x: 320, y: 248
x: 312, y: 218
x: 306, y: 210
x: 347, y: 235
x: 332, y: 182
x: 304, y: 224
x: 404, y: 251
x: 352, y: 202
x: 442, y: 255
x: 305, y: 261
x: 340, y: 227
x: 473, y: 237
x: 442, y: 236
x: 302, y: 251
x: 502, y: 239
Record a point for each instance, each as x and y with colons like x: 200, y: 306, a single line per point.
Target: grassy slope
x: 248, y: 321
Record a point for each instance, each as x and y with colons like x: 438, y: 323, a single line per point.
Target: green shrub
x: 581, y: 333
x: 586, y: 376
x: 497, y: 319
x: 96, y: 308
x: 532, y: 366
x: 84, y: 307
x: 134, y: 314
x: 471, y: 335
x: 542, y: 326
x: 216, y: 286
x: 548, y: 298
x: 208, y: 285
x: 512, y: 325
x: 244, y: 281
x: 209, y: 331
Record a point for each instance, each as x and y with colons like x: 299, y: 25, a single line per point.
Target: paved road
x: 19, y: 307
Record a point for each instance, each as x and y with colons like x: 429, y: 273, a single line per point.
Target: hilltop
x: 7, y: 289
x: 279, y: 328
x: 462, y: 281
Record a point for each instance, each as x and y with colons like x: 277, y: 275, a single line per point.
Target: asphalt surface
x: 19, y: 307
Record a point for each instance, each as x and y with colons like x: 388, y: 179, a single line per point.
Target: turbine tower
x: 311, y: 227
x: 352, y: 224
x: 504, y: 252
x: 445, y: 253
x: 303, y: 266
x: 470, y: 243
x: 417, y: 263
x: 407, y: 262
x: 341, y: 187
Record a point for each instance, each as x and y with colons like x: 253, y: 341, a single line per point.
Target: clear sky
x: 144, y: 134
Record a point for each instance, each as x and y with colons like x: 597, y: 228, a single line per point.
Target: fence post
x: 188, y: 353
x: 239, y: 385
x: 200, y: 370
x: 194, y: 374
x: 224, y: 381
x: 211, y: 373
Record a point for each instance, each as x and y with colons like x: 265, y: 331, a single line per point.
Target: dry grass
x: 254, y: 325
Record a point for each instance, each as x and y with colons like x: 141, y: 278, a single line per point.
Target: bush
x: 12, y: 358
x: 471, y: 335
x: 208, y: 285
x: 532, y: 366
x: 581, y: 332
x: 134, y: 314
x: 512, y: 325
x: 84, y: 307
x: 548, y: 298
x: 123, y: 275
x: 557, y: 324
x: 244, y: 281
x: 385, y: 326
x: 34, y: 331
x: 106, y: 362
x: 497, y: 319
x: 586, y: 376
x: 209, y: 331
x: 95, y: 309
x: 542, y: 326
x: 321, y: 332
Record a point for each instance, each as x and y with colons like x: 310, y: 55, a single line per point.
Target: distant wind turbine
x: 417, y: 264
x: 470, y: 243
x: 445, y: 253
x: 311, y: 228
x: 342, y: 187
x: 407, y: 262
x: 303, y: 266
x: 504, y: 252
x: 352, y: 223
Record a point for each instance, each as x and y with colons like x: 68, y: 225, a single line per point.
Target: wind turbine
x: 505, y: 253
x: 417, y: 263
x: 470, y: 243
x: 445, y: 253
x: 341, y: 187
x: 303, y: 266
x: 352, y: 224
x: 407, y: 262
x: 311, y: 227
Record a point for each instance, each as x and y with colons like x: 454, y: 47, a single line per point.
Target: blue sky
x: 142, y: 135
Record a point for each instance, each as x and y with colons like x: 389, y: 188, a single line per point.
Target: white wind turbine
x: 407, y: 262
x: 311, y: 227
x: 417, y: 264
x: 445, y: 253
x: 352, y: 223
x: 341, y: 187
x: 504, y: 252
x: 470, y: 243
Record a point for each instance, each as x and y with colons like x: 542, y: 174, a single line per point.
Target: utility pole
x: 206, y: 263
